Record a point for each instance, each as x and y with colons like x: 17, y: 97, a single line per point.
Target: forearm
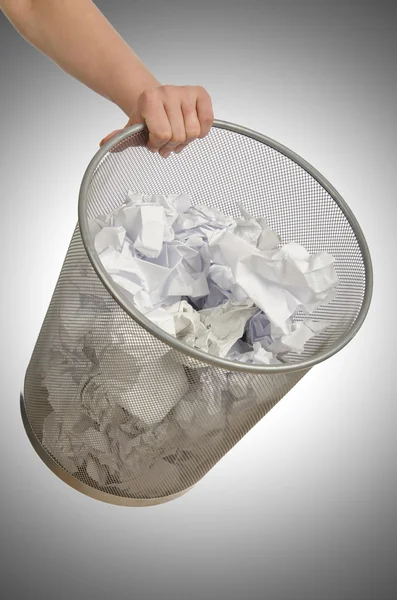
x: 76, y: 36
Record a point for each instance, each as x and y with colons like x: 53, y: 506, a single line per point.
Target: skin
x: 82, y: 42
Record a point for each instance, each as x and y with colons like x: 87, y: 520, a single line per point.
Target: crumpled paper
x: 128, y: 412
x: 211, y: 260
x: 279, y: 281
x: 256, y: 231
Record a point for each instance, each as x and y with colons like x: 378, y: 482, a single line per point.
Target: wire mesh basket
x: 118, y: 408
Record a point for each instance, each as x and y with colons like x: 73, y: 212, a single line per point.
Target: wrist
x: 131, y: 83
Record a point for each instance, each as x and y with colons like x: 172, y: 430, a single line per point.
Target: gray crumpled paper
x: 222, y: 285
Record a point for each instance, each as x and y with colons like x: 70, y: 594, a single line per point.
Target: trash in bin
x: 178, y: 319
x: 205, y: 278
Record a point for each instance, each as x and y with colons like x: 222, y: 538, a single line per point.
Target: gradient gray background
x: 305, y: 505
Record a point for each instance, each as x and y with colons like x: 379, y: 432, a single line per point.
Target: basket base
x: 79, y: 485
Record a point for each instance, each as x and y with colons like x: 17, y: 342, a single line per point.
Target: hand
x: 174, y: 116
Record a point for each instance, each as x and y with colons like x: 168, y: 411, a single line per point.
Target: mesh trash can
x: 121, y: 410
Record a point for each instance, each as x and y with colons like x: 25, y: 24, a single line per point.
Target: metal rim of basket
x: 200, y: 355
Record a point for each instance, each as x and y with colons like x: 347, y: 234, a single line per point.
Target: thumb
x: 134, y: 120
x: 108, y: 137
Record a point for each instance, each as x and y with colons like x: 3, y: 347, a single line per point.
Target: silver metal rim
x: 79, y: 485
x: 176, y: 344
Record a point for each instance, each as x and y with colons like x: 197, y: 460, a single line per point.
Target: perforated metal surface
x: 93, y: 348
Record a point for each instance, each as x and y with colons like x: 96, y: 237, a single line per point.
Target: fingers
x: 205, y: 112
x: 199, y: 117
x: 173, y: 108
x: 154, y: 114
x: 174, y: 115
x: 191, y: 123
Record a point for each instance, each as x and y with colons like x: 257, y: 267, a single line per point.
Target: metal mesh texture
x: 90, y: 352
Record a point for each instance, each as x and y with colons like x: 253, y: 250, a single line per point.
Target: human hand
x: 174, y: 116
